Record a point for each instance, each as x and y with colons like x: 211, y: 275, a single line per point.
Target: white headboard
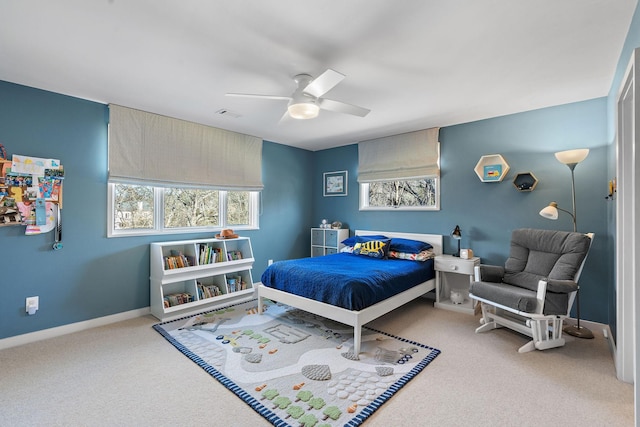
x: 434, y: 240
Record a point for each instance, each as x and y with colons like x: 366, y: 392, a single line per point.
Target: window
x: 400, y: 172
x: 413, y: 194
x: 190, y: 208
x: 133, y: 207
x: 216, y: 185
x: 140, y: 209
x: 143, y: 149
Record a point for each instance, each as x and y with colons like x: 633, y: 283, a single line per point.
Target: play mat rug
x: 296, y: 368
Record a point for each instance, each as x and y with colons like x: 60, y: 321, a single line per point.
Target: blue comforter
x: 345, y: 280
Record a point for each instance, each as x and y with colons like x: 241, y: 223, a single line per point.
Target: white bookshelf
x: 183, y: 279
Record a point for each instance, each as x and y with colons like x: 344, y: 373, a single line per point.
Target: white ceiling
x: 415, y: 64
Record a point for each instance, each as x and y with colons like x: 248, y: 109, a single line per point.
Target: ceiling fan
x: 306, y: 101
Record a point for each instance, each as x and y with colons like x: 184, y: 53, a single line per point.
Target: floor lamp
x: 570, y: 158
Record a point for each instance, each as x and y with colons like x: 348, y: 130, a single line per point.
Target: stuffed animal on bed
x: 373, y: 248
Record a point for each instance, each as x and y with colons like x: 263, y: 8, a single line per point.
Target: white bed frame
x: 358, y: 318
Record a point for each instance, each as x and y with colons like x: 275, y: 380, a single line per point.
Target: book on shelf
x: 208, y: 291
x: 234, y: 255
x: 172, y: 300
x: 208, y: 254
x: 236, y: 283
x: 176, y: 259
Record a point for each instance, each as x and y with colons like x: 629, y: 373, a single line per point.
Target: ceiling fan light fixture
x: 303, y: 110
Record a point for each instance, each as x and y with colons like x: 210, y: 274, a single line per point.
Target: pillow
x: 347, y: 249
x: 351, y: 241
x: 425, y: 255
x: 373, y: 248
x: 408, y: 245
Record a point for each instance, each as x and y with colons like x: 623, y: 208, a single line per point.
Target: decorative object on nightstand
x: 466, y: 253
x: 570, y: 158
x: 452, y: 287
x: 457, y: 297
x: 457, y: 234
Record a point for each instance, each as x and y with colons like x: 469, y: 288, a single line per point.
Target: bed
x: 360, y: 311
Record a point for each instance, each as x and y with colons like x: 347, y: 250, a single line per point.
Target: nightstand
x: 454, y: 274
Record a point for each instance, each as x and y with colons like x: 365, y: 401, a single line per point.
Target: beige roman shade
x: 157, y: 150
x: 400, y: 157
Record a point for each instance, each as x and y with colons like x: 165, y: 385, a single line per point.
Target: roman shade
x: 150, y: 149
x: 400, y: 157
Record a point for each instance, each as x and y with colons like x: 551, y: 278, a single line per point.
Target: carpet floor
x: 125, y: 374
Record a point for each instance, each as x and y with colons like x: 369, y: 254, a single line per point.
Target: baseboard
x: 586, y: 323
x: 73, y: 327
x: 612, y: 344
x: 595, y: 326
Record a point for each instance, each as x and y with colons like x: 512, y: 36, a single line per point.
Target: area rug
x: 295, y: 368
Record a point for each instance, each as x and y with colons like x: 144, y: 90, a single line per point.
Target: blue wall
x: 488, y: 212
x: 93, y: 276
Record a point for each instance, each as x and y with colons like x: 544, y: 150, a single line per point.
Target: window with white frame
x: 171, y: 176
x: 140, y: 209
x: 411, y: 194
x: 400, y: 172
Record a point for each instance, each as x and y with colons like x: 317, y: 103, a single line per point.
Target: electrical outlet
x: 270, y: 262
x: 32, y: 304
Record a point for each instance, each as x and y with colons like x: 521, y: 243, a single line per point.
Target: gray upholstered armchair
x: 534, y: 291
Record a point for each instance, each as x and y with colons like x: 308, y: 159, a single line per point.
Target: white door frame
x: 627, y: 242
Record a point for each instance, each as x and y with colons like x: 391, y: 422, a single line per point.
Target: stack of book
x: 208, y: 254
x: 177, y: 260
x: 177, y: 299
x: 208, y: 291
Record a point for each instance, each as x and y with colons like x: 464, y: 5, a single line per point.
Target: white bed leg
x: 259, y: 305
x: 357, y: 337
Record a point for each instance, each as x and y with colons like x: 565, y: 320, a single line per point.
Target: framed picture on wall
x: 335, y: 183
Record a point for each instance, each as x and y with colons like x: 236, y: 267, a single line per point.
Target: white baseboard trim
x: 73, y: 327
x: 612, y: 345
x: 595, y: 326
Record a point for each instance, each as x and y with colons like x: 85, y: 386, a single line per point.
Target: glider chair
x: 534, y: 291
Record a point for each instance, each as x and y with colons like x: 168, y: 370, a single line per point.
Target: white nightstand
x: 454, y: 274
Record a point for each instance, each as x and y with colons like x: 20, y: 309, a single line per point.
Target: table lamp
x: 457, y: 234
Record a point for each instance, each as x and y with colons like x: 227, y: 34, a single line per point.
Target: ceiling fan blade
x: 341, y: 107
x: 251, y: 95
x: 324, y: 83
x: 286, y: 118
